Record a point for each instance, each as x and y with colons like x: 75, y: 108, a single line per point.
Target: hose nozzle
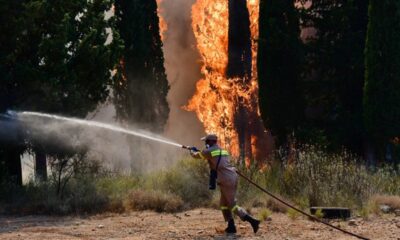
x: 190, y: 148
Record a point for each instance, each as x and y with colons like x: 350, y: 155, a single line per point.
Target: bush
x: 318, y: 178
x: 188, y: 179
x: 154, y: 200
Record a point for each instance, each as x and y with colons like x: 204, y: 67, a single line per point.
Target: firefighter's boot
x: 231, y: 229
x: 253, y: 222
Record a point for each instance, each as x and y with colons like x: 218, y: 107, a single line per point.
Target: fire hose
x: 286, y: 203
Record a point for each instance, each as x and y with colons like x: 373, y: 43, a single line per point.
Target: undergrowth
x: 313, y: 178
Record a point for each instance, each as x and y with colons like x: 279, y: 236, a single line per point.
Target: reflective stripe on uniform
x: 217, y: 152
x: 236, y: 207
x: 224, y: 208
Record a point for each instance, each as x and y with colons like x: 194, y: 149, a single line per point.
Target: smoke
x: 183, y: 70
x: 58, y: 136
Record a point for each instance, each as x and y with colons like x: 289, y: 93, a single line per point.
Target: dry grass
x: 276, y: 206
x: 392, y: 201
x: 264, y: 214
x: 154, y: 200
x: 293, y: 214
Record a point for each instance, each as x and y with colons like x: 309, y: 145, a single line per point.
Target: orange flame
x: 162, y: 23
x: 216, y: 99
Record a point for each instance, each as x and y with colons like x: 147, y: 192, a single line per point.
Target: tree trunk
x: 40, y: 166
x: 12, y: 158
x: 239, y: 41
x: 239, y: 66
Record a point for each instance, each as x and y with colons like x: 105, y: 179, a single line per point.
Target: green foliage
x: 188, y: 180
x: 54, y: 57
x: 60, y: 61
x: 319, y: 214
x: 279, y: 59
x: 264, y: 214
x: 381, y: 95
x: 140, y: 97
x: 293, y: 214
x: 335, y: 32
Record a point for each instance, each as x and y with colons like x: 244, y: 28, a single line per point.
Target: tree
x: 239, y: 44
x: 335, y: 69
x: 382, y: 84
x: 59, y: 60
x: 140, y: 98
x: 279, y: 60
x: 10, y: 151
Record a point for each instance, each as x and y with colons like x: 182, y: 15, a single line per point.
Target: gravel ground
x: 194, y: 224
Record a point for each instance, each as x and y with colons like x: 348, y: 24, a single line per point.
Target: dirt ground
x: 194, y: 224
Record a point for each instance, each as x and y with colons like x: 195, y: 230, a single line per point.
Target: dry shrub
x: 116, y: 206
x: 188, y: 179
x: 264, y: 214
x: 392, y: 201
x: 276, y: 206
x: 154, y: 200
x: 293, y: 214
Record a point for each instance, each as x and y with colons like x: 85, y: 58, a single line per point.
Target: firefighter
x: 227, y: 179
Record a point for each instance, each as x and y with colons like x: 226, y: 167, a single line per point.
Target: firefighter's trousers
x: 228, y: 200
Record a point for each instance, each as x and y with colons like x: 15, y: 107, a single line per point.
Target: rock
x: 130, y: 232
x: 384, y: 208
x: 352, y: 222
x: 100, y: 226
x: 398, y: 225
x: 77, y: 223
x: 397, y: 212
x: 268, y: 219
x: 187, y: 215
x: 200, y: 232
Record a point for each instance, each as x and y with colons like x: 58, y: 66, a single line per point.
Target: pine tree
x: 140, y: 98
x: 279, y: 59
x: 381, y: 90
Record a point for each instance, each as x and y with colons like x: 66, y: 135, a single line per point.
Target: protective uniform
x: 227, y: 181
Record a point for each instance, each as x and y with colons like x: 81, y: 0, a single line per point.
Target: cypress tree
x: 381, y: 90
x: 141, y: 97
x: 335, y: 69
x: 279, y: 58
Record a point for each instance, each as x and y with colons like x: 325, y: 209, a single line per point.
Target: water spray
x: 19, y: 115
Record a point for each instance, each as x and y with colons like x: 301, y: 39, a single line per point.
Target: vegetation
x: 140, y: 95
x: 279, y: 83
x: 54, y: 58
x: 333, y: 74
x: 329, y: 75
x: 316, y: 178
x: 381, y: 98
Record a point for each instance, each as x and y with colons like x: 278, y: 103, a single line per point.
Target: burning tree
x: 226, y: 99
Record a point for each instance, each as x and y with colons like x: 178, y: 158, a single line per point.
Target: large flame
x: 216, y: 98
x: 162, y: 23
